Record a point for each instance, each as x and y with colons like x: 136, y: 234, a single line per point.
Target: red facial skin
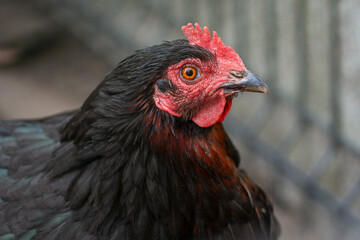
x: 208, y: 104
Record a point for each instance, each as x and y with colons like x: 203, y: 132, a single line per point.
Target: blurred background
x: 301, y: 143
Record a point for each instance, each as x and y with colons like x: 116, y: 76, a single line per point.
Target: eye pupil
x: 189, y: 72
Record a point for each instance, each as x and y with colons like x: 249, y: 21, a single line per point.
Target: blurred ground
x: 61, y: 76
x: 55, y: 79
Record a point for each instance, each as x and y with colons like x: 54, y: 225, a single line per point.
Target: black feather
x: 165, y: 85
x: 119, y: 168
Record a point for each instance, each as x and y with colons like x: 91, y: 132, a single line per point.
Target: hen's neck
x: 160, y: 176
x: 179, y: 180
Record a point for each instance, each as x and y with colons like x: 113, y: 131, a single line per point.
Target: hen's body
x: 120, y: 168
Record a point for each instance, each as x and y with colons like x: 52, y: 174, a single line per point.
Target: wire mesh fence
x: 305, y: 129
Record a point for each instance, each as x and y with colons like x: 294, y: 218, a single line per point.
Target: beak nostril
x: 237, y: 74
x: 244, y: 82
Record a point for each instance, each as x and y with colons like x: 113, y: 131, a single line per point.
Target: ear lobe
x: 164, y: 101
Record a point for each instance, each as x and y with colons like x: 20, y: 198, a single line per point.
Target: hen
x: 145, y: 157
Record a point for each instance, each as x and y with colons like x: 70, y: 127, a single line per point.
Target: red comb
x: 196, y: 36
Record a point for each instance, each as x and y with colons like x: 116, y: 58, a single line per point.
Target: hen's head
x: 192, y: 80
x: 201, y: 87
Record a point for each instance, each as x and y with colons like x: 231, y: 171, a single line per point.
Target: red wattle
x: 213, y: 111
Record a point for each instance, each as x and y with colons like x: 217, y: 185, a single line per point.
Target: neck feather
x: 156, y: 173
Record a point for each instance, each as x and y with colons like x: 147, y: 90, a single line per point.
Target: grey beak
x: 245, y: 82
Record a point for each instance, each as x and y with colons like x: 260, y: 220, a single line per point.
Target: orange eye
x: 189, y: 73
